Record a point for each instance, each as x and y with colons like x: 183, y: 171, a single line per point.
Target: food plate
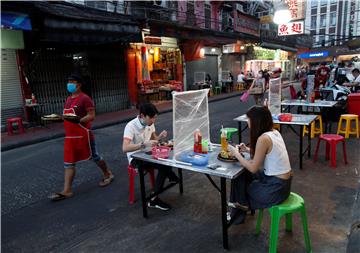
x: 52, y: 117
x: 229, y: 160
x: 169, y: 144
x: 70, y: 116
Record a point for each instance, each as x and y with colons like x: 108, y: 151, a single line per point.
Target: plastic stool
x: 132, y: 173
x: 239, y: 86
x: 294, y: 203
x: 229, y: 132
x: 331, y: 141
x: 277, y: 127
x: 217, y: 90
x: 348, y: 118
x: 313, y: 129
x: 17, y: 120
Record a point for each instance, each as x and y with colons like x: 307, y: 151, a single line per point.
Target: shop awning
x: 278, y: 46
x: 15, y: 21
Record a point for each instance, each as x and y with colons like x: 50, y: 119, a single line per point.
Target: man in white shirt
x: 240, y: 78
x: 355, y: 84
x: 140, y: 134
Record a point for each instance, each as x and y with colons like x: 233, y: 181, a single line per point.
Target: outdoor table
x: 228, y: 170
x: 300, y: 120
x: 318, y: 103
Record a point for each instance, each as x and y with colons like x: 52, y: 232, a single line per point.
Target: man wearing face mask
x: 79, y: 144
x: 140, y: 134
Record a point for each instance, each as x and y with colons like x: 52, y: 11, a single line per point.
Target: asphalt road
x: 101, y: 220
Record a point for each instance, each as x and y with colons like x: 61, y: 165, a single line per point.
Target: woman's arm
x: 263, y: 145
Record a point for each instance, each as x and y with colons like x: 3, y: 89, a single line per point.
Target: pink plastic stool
x: 132, y: 173
x: 17, y: 120
x: 331, y: 141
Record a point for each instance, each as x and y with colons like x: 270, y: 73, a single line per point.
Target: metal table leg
x: 301, y: 146
x: 239, y: 131
x: 142, y: 189
x: 309, y: 142
x: 180, y: 181
x: 223, y: 212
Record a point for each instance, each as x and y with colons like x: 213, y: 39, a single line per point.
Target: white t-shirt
x: 357, y: 80
x: 240, y: 78
x: 137, y: 133
x: 277, y: 161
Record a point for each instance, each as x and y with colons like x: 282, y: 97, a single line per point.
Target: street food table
x: 227, y: 170
x: 318, y: 103
x: 297, y: 120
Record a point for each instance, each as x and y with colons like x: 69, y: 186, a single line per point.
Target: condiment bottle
x: 197, y: 141
x: 224, y: 143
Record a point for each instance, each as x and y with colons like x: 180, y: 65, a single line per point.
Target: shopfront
x: 154, y: 69
x: 266, y: 59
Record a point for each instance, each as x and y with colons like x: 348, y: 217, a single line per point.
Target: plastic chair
x: 19, y: 122
x: 348, y: 118
x: 277, y: 126
x: 313, y: 129
x: 331, y: 141
x: 217, y: 90
x: 293, y: 204
x: 132, y: 172
x: 229, y: 132
x: 239, y: 86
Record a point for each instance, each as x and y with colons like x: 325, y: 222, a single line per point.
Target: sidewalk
x: 56, y: 130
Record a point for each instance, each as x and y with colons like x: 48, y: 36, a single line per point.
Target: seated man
x: 139, y: 134
x: 355, y: 84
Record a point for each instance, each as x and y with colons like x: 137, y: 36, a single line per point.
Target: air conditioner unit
x: 239, y: 7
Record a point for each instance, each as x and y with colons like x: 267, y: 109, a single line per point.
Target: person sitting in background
x: 208, y: 78
x: 267, y: 178
x: 340, y: 74
x: 355, y: 84
x: 322, y: 75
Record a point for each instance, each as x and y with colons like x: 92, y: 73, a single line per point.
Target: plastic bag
x: 245, y: 96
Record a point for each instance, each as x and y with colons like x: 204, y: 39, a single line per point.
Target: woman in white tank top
x: 257, y: 188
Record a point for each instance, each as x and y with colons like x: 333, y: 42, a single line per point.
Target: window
x: 333, y: 18
x: 313, y: 22
x: 323, y: 2
x: 314, y: 3
x: 97, y: 4
x: 333, y: 1
x: 323, y: 20
x: 332, y: 39
x: 321, y: 40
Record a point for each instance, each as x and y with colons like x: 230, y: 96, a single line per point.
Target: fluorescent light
x: 226, y: 51
x: 213, y: 50
x: 202, y: 51
x: 282, y: 16
x: 242, y: 47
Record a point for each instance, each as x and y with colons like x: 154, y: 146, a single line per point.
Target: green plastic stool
x: 217, y: 90
x: 294, y: 203
x: 229, y: 132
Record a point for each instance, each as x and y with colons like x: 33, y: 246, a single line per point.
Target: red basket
x: 285, y: 117
x: 160, y: 152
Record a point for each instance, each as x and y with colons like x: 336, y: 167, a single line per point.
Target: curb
x: 353, y: 245
x: 97, y: 126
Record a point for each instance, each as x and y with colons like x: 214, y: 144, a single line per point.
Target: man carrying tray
x: 79, y: 144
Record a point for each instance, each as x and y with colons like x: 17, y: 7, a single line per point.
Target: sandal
x: 106, y: 181
x: 57, y: 196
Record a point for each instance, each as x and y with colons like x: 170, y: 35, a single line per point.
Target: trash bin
x: 354, y: 103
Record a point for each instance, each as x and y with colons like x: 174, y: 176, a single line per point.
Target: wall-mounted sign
x: 246, y: 24
x: 291, y: 28
x: 152, y: 40
x: 296, y: 8
x: 318, y: 54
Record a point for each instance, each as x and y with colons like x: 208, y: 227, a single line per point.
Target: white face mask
x: 142, y: 122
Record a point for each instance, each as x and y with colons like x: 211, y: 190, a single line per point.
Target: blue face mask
x: 142, y: 122
x: 71, y: 87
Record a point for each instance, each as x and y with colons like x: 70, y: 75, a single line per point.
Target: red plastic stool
x: 132, y: 173
x: 17, y: 120
x: 331, y: 141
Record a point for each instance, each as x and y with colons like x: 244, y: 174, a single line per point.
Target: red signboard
x: 291, y: 28
x: 152, y: 40
x: 247, y: 24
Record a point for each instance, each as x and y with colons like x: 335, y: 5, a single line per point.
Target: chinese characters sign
x: 247, y: 24
x: 296, y: 8
x: 291, y: 28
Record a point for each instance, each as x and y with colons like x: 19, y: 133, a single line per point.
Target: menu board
x: 275, y: 96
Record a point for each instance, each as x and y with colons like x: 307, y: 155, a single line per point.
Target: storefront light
x: 226, y: 51
x: 151, y: 51
x: 282, y: 16
x: 242, y: 47
x: 202, y: 51
x: 213, y: 50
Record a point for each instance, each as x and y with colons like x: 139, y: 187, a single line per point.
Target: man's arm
x: 156, y: 137
x: 90, y: 116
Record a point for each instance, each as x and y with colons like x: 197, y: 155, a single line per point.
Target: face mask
x: 71, y: 87
x: 142, y: 122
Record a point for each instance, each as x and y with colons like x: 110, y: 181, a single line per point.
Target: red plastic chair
x: 132, y: 173
x: 331, y: 141
x: 17, y: 120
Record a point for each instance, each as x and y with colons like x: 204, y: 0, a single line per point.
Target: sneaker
x: 237, y: 215
x: 158, y: 203
x: 238, y: 206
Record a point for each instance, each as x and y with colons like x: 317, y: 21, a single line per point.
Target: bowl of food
x: 226, y: 156
x: 160, y: 152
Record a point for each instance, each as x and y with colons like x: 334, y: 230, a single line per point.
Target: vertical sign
x: 275, y: 96
x: 296, y: 8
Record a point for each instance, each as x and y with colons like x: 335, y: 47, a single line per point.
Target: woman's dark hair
x: 260, y: 122
x: 148, y: 109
